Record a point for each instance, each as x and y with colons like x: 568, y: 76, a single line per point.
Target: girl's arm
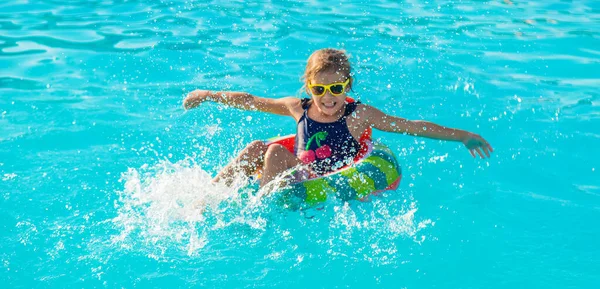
x: 385, y: 122
x: 241, y: 100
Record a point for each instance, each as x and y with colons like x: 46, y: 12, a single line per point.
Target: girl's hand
x: 195, y: 98
x: 476, y: 143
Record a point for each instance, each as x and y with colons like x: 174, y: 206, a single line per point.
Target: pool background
x: 101, y: 168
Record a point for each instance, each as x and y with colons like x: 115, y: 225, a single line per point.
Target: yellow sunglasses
x: 335, y: 89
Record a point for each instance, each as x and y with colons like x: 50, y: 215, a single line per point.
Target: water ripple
x: 90, y: 93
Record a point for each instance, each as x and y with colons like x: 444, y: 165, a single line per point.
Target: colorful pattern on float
x: 378, y: 171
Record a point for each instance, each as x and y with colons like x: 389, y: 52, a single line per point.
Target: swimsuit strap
x: 350, y: 108
x: 305, y: 103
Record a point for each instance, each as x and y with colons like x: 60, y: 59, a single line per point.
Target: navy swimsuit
x: 325, y: 146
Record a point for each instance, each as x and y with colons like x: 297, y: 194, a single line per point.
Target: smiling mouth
x: 329, y: 104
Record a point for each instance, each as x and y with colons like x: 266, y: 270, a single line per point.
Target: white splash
x: 166, y: 204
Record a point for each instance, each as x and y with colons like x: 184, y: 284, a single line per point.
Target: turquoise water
x: 102, y: 174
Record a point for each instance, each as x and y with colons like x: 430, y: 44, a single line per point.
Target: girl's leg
x: 277, y: 160
x: 247, y: 162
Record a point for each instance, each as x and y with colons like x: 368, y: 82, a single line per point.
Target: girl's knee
x: 257, y: 146
x: 273, y: 151
x: 257, y: 143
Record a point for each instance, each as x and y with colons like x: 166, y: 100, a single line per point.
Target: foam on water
x: 174, y: 206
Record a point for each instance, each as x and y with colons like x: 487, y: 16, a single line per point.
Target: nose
x: 328, y: 95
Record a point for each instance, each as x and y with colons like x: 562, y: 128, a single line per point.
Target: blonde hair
x: 327, y: 60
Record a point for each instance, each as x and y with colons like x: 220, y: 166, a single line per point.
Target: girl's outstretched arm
x: 385, y: 122
x: 241, y: 100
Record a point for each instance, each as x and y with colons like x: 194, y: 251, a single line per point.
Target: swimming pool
x: 103, y: 174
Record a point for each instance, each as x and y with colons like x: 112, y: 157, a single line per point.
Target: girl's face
x: 328, y: 104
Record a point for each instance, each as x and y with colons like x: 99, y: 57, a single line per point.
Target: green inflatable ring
x: 377, y: 171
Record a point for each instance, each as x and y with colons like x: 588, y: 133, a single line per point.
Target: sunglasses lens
x: 337, y: 89
x: 317, y: 90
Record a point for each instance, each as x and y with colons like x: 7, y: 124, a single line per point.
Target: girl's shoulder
x: 294, y: 102
x: 295, y: 106
x: 362, y: 110
x: 290, y: 101
x: 364, y: 113
x: 358, y: 113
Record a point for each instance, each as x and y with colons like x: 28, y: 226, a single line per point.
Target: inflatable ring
x: 374, y: 170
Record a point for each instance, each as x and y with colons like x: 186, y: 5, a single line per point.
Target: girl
x: 328, y: 127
